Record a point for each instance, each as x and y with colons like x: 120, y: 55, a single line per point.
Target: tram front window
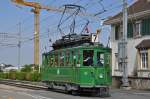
x: 100, y: 59
x: 88, y: 57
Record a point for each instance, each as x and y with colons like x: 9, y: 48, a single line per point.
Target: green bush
x: 4, y: 75
x: 12, y: 75
x: 28, y: 77
x: 1, y: 73
x: 26, y: 68
x: 26, y: 73
x: 36, y: 76
x: 20, y: 75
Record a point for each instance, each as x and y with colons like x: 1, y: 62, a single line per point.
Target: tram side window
x: 49, y: 57
x: 70, y: 58
x: 74, y: 58
x: 100, y: 59
x: 108, y: 59
x: 88, y: 57
x: 44, y: 59
x: 67, y: 58
x: 61, y: 59
x: 51, y: 60
x: 56, y: 59
x: 78, y: 62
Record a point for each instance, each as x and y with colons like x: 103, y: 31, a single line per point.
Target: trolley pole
x: 124, y: 46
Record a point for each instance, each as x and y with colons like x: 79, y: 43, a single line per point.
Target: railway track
x: 24, y: 84
x: 33, y: 86
x: 28, y: 85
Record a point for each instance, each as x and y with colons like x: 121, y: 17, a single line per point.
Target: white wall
x: 131, y: 51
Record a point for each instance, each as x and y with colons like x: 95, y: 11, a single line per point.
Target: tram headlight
x: 100, y: 75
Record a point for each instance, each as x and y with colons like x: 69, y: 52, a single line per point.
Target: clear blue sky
x: 11, y: 15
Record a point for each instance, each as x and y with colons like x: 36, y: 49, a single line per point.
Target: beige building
x: 138, y: 33
x: 143, y: 58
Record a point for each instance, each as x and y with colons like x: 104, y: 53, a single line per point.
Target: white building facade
x: 138, y: 44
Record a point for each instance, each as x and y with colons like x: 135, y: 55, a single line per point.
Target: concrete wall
x: 143, y: 73
x: 135, y: 83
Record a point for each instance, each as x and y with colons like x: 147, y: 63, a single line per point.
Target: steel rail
x: 24, y: 84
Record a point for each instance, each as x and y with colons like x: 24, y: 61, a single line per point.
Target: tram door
x: 100, y: 67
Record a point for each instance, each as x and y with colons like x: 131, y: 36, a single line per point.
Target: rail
x: 23, y: 84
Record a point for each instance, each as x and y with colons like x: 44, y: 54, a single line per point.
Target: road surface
x: 11, y: 92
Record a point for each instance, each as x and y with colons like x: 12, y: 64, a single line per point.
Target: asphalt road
x: 9, y: 92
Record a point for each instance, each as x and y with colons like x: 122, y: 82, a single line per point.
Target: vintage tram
x: 78, y: 64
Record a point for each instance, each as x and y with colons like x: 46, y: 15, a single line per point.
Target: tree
x: 27, y: 68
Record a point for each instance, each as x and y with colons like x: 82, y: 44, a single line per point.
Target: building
x: 7, y: 68
x: 138, y: 42
x: 2, y: 66
x: 12, y: 68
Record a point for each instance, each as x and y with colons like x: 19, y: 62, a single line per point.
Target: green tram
x: 77, y: 65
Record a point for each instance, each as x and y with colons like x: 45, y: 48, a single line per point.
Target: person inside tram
x: 88, y: 61
x: 99, y: 63
x: 88, y: 57
x: 100, y: 59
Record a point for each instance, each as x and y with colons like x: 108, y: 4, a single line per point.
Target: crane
x: 36, y: 10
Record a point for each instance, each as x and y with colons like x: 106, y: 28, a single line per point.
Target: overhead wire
x: 42, y: 20
x: 54, y: 31
x: 107, y: 8
x: 24, y: 21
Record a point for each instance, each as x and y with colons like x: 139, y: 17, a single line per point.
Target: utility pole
x: 19, y: 45
x: 124, y: 46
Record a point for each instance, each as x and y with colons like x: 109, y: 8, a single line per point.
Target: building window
x: 130, y: 30
x: 137, y: 29
x: 118, y: 63
x: 118, y: 32
x: 145, y: 27
x: 144, y: 58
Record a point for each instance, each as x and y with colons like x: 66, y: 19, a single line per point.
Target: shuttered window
x: 119, y: 31
x: 116, y: 32
x: 145, y: 26
x: 130, y: 30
